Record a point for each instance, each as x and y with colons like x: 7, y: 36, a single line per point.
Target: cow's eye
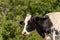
x: 29, y: 22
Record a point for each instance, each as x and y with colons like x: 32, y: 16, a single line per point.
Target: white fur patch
x: 55, y: 19
x: 26, y: 22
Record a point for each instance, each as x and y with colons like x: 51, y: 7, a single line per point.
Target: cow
x: 46, y: 25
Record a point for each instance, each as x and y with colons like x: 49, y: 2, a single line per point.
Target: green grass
x: 33, y: 36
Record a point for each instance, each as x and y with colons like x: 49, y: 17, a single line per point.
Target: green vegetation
x: 13, y: 11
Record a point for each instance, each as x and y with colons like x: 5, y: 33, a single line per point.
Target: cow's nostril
x: 24, y: 34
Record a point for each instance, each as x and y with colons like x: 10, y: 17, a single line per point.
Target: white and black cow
x: 48, y: 24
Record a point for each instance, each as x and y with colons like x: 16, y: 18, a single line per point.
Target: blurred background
x: 13, y: 11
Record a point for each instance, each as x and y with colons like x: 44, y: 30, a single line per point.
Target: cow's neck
x: 40, y: 30
x: 42, y: 25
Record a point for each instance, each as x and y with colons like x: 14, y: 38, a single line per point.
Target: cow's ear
x: 40, y: 18
x: 43, y: 18
x: 37, y: 18
x: 21, y: 22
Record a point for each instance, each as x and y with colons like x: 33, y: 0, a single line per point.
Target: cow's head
x: 28, y: 25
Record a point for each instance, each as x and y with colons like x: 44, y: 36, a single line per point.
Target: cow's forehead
x: 28, y: 17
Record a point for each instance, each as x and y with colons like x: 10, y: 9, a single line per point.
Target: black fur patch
x: 43, y: 25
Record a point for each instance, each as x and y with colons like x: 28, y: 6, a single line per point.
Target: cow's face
x: 28, y: 25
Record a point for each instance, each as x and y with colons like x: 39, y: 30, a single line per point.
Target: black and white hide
x: 46, y: 25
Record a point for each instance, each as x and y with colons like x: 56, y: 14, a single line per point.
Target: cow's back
x: 55, y: 19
